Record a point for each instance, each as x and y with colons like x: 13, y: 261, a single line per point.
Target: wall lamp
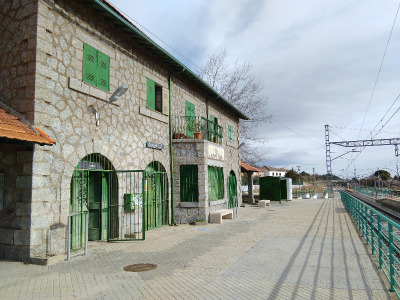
x: 114, y: 97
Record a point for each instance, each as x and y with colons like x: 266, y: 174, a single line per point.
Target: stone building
x: 126, y: 118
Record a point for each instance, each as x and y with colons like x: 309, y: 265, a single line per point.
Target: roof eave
x: 171, y: 60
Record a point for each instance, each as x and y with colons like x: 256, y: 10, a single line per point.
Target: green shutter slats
x: 230, y: 133
x: 190, y: 119
x: 103, y: 71
x: 215, y: 183
x: 151, y: 94
x: 89, y: 64
x: 189, y: 191
x: 96, y: 68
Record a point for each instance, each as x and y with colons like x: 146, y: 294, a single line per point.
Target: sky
x: 321, y: 62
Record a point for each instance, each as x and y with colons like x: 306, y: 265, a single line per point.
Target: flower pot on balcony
x: 197, y: 135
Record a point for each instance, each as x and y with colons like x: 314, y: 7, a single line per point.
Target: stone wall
x: 62, y: 102
x: 18, y: 21
x: 43, y: 51
x: 15, y: 211
x: 195, y: 152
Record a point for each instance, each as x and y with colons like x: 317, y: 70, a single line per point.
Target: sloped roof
x: 126, y: 26
x: 247, y: 168
x: 11, y: 128
x: 274, y: 169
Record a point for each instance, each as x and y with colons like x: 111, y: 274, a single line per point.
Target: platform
x: 303, y: 249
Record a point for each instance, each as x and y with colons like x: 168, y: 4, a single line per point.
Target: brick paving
x: 302, y: 249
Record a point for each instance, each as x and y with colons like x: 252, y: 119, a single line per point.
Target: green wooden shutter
x: 216, y: 188
x: 221, y: 186
x: 189, y: 190
x: 230, y: 133
x: 151, y: 94
x: 190, y: 119
x: 103, y: 71
x: 89, y: 64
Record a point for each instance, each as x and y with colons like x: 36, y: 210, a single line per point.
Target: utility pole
x: 298, y: 168
x: 355, y: 176
x: 313, y: 170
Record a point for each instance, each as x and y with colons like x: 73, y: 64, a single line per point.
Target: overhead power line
x: 155, y: 36
x: 299, y: 134
x: 380, y: 68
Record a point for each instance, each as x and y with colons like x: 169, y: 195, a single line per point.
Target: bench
x: 263, y: 203
x: 217, y: 216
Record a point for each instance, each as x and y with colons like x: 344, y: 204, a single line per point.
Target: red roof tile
x: 12, y: 128
x: 248, y: 168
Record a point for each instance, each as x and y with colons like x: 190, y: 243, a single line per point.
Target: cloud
x: 319, y: 61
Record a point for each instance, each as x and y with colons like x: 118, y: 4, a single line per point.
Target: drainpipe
x: 170, y: 147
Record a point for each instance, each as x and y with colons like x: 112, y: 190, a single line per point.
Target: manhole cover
x: 140, y: 267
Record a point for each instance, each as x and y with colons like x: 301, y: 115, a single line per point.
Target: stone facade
x: 42, y: 53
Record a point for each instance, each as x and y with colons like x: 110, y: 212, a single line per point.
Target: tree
x: 292, y: 174
x: 239, y: 85
x: 384, y: 175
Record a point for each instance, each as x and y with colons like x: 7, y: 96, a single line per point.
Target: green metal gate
x: 232, y: 189
x: 112, y: 199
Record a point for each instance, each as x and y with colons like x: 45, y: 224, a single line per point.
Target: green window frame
x: 96, y: 68
x: 216, y: 188
x: 189, y: 187
x: 157, y: 97
x: 230, y: 133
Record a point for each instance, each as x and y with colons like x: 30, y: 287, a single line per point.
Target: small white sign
x: 215, y: 152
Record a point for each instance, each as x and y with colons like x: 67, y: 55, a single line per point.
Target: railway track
x: 390, y: 213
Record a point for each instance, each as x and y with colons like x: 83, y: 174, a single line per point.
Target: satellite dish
x: 118, y: 93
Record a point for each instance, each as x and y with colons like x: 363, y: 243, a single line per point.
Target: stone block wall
x: 18, y: 21
x: 195, y: 152
x: 42, y: 51
x: 62, y: 103
x: 15, y: 209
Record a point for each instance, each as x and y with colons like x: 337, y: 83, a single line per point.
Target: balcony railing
x: 196, y: 127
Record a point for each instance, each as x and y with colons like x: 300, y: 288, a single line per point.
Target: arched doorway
x: 232, y: 189
x: 94, y: 191
x: 156, y: 202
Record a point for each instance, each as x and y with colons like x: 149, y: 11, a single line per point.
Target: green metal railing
x: 185, y: 128
x: 378, y: 231
x: 375, y: 192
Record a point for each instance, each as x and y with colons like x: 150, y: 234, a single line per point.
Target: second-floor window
x: 190, y: 115
x: 96, y: 68
x: 230, y: 133
x: 157, y: 97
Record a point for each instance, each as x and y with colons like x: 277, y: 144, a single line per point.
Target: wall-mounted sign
x: 156, y: 146
x: 215, y: 152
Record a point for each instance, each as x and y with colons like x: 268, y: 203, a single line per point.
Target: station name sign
x: 156, y: 146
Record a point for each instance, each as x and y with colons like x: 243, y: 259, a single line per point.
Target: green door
x: 190, y: 119
x: 98, y: 205
x: 156, y: 196
x: 94, y: 206
x: 232, y: 188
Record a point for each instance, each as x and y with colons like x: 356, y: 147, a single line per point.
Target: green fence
x: 375, y: 192
x: 379, y: 233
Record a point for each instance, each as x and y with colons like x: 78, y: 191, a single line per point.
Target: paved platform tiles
x: 302, y: 249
